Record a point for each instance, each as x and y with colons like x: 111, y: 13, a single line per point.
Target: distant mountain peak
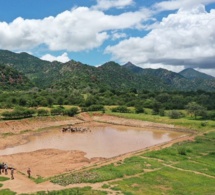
x: 129, y: 64
x: 191, y: 73
x: 135, y: 69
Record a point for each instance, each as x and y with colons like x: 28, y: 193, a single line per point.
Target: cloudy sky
x: 171, y: 34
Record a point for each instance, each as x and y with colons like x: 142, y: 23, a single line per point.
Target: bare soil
x: 49, y: 162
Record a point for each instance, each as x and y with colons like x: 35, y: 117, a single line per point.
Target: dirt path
x: 49, y: 162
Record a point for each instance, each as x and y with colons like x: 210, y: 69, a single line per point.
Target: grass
x: 186, y: 122
x: 72, y: 191
x: 7, y: 192
x: 4, y: 135
x: 184, y: 168
x: 3, y: 179
x: 166, y: 181
x: 129, y: 166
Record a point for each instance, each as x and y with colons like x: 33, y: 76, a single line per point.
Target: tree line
x: 94, y: 100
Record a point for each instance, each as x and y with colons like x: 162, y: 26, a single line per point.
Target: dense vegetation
x: 198, y: 103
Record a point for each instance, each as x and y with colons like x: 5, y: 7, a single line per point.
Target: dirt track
x: 50, y: 162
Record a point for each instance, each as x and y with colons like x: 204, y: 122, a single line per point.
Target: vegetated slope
x: 108, y: 76
x: 41, y: 72
x: 186, y: 80
x: 11, y: 79
x: 190, y: 73
x: 118, y: 77
x: 75, y: 75
x: 202, y: 80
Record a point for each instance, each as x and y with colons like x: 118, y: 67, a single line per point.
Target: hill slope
x: 11, y: 79
x: 75, y: 75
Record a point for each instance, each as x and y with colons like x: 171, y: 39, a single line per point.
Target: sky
x: 170, y: 34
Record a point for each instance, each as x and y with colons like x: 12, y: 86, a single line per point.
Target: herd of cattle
x: 75, y: 129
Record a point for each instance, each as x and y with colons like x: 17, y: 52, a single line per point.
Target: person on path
x: 12, y: 173
x: 29, y: 172
x: 5, y: 168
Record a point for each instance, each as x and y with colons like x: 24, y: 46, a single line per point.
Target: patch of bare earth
x: 49, y: 162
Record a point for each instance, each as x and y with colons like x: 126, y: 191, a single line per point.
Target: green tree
x: 195, y: 109
x: 72, y: 111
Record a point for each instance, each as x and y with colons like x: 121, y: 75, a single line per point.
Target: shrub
x: 139, y: 109
x: 122, y: 109
x: 58, y: 111
x: 42, y: 112
x: 182, y: 151
x: 18, y: 112
x: 95, y: 108
x: 161, y: 112
x: 174, y: 114
x: 72, y: 111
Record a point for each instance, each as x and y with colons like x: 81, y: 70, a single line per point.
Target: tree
x: 139, y: 109
x: 174, y: 114
x: 72, y: 111
x: 195, y: 109
x: 121, y: 109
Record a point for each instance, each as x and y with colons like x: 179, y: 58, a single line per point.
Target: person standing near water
x: 12, y: 172
x: 5, y: 168
x: 29, y: 172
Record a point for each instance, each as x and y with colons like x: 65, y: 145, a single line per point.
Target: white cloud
x: 80, y: 29
x: 62, y: 58
x: 116, y: 35
x: 180, y: 4
x: 107, y: 4
x: 186, y: 38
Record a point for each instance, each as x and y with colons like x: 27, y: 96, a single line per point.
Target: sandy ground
x: 50, y: 162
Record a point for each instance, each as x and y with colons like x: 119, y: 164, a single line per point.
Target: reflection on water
x: 106, y: 141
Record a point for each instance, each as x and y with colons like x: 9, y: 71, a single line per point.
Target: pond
x: 106, y: 141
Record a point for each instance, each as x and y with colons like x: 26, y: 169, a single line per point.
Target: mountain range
x: 76, y: 75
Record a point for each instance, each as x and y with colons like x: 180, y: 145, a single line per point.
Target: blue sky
x: 173, y: 34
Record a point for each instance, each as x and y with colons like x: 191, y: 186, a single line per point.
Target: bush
x: 19, y: 112
x: 95, y: 108
x: 161, y: 112
x: 72, y: 111
x: 58, y: 111
x: 42, y: 112
x: 182, y: 151
x: 174, y: 114
x: 122, y: 109
x: 139, y: 109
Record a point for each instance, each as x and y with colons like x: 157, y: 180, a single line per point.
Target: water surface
x: 106, y: 141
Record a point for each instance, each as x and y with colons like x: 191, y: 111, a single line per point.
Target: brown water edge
x: 104, y: 140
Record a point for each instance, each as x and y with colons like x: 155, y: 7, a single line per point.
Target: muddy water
x: 106, y: 141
